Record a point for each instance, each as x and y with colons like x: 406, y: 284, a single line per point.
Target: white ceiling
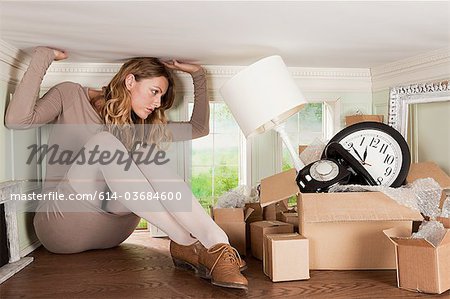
x: 308, y: 34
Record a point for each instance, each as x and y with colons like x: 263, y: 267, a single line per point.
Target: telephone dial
x: 336, y: 166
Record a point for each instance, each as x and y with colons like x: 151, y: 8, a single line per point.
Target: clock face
x: 380, y: 149
x: 378, y: 152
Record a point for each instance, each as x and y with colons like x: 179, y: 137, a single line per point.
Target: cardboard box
x: 257, y: 213
x: 353, y: 119
x: 290, y: 216
x: 232, y: 221
x: 301, y: 148
x: 421, y: 266
x: 286, y: 257
x: 270, y: 211
x: 261, y: 228
x: 345, y: 230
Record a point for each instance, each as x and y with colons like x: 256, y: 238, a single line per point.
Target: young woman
x: 127, y: 112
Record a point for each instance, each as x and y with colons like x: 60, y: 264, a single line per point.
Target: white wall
x: 431, y: 121
x: 13, y: 144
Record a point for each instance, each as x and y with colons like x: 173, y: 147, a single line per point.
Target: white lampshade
x: 262, y: 96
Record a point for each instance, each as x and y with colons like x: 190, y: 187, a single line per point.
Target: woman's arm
x: 24, y: 110
x: 199, y: 122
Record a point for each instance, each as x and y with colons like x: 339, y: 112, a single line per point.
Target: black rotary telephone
x: 336, y: 166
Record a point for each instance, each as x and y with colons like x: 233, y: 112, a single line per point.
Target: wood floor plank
x: 141, y: 268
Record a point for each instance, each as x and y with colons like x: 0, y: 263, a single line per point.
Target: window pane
x: 215, y: 158
x: 287, y: 160
x: 310, y: 123
x: 202, y: 151
x: 227, y: 157
x: 225, y: 179
x: 226, y: 149
x: 224, y: 121
x: 292, y: 123
x: 201, y: 184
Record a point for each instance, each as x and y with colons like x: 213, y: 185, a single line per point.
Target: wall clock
x: 380, y: 149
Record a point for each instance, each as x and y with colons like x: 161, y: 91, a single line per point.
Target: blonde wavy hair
x: 114, y: 105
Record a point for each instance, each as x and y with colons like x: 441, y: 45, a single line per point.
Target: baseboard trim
x: 30, y: 248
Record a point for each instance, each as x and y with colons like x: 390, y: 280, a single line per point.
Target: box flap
x: 283, y: 206
x: 403, y: 237
x: 248, y: 212
x: 289, y: 214
x: 428, y: 169
x: 278, y: 187
x: 285, y: 236
x: 352, y: 206
x: 281, y: 236
x: 412, y: 242
x: 397, y: 232
x: 269, y: 223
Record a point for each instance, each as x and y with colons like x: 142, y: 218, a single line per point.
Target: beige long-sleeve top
x: 68, y: 103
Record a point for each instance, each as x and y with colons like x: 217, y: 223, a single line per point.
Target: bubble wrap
x: 422, y: 195
x: 313, y: 152
x: 237, y: 197
x: 446, y: 208
x: 432, y: 231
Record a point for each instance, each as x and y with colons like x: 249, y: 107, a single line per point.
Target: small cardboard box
x: 290, y: 216
x: 270, y: 211
x: 260, y: 228
x: 353, y: 119
x: 286, y: 257
x: 421, y: 266
x: 232, y: 221
x: 257, y: 213
x: 353, y: 221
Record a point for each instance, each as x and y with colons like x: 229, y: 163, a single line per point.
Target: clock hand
x: 361, y: 159
x: 365, y: 155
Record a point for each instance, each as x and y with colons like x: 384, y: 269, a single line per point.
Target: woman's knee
x: 105, y: 141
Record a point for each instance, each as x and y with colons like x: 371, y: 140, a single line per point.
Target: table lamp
x: 262, y: 97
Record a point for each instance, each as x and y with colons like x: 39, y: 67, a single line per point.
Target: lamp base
x: 281, y: 129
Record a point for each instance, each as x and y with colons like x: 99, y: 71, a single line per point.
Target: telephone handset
x: 336, y: 166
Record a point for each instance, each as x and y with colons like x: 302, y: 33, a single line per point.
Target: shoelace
x: 232, y: 255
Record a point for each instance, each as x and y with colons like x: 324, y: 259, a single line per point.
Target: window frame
x: 244, y: 149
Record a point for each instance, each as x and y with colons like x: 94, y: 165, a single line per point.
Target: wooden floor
x: 141, y: 268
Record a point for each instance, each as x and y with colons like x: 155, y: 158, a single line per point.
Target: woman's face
x: 146, y: 94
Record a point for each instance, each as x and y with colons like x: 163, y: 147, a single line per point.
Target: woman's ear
x: 129, y: 81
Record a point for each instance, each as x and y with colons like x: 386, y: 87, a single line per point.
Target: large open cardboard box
x: 345, y: 230
x: 421, y: 266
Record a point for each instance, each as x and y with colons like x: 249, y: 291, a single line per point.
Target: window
x: 317, y: 120
x: 216, y: 157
